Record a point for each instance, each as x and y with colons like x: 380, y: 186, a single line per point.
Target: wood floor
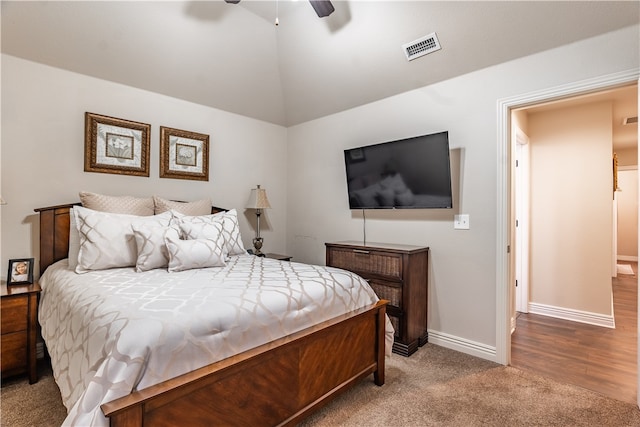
x: 593, y: 357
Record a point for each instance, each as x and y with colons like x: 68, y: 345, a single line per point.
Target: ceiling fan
x: 322, y: 7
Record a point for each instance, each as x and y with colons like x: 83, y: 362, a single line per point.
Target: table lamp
x: 258, y: 201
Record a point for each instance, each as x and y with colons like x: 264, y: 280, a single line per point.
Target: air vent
x: 421, y: 47
x: 630, y: 120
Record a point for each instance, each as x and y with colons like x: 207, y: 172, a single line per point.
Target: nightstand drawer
x: 14, y: 312
x: 14, y: 351
x: 365, y: 261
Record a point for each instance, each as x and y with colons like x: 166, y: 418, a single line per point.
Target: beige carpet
x: 433, y: 387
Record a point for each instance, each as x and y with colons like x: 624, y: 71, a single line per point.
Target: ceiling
x: 234, y: 58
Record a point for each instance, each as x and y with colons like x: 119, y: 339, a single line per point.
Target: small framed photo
x: 184, y: 154
x: 20, y: 271
x: 116, y: 146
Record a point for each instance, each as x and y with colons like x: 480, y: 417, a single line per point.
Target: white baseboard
x: 463, y: 345
x: 629, y: 258
x: 597, y: 319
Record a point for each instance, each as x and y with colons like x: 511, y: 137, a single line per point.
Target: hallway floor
x: 593, y: 357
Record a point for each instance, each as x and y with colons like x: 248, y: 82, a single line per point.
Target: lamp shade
x: 258, y: 199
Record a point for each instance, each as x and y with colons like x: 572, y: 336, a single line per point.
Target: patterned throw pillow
x: 117, y: 204
x: 230, y: 228
x: 107, y: 240
x: 198, y: 253
x: 199, y: 207
x: 150, y: 242
x: 74, y: 242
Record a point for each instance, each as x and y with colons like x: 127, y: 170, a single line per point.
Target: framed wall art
x: 184, y: 154
x: 20, y: 271
x: 116, y: 146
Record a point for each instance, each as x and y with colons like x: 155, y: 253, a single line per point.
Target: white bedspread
x: 114, y: 331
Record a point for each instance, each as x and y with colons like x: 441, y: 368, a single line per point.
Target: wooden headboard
x: 54, y: 232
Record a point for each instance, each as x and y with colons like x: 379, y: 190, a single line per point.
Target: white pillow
x: 74, y: 241
x: 230, y: 228
x: 117, y: 204
x: 198, y: 253
x: 231, y: 232
x: 107, y: 239
x: 199, y: 207
x: 204, y: 230
x: 150, y: 242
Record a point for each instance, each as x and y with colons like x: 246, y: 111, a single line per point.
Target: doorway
x: 505, y: 233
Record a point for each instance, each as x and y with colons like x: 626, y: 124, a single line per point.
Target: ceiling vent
x: 421, y: 47
x: 630, y: 120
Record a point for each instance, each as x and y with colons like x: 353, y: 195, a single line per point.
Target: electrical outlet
x: 461, y: 222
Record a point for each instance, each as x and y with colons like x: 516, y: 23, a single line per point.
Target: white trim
x: 606, y: 321
x: 462, y: 345
x: 505, y: 105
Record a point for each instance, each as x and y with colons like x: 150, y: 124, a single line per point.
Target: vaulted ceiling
x: 234, y: 58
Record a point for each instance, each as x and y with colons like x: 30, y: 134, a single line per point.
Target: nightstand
x: 19, y: 314
x: 279, y: 257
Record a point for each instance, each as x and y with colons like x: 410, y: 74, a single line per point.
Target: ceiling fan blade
x: 322, y: 7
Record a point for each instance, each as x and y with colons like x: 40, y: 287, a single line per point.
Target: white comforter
x: 114, y: 331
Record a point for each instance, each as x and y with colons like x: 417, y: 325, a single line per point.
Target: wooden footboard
x: 278, y: 383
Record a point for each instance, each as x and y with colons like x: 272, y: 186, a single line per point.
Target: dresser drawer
x: 14, y: 314
x: 389, y: 291
x: 14, y: 352
x: 365, y: 261
x: 396, y: 273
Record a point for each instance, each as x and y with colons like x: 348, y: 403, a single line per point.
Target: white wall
x: 462, y: 271
x: 43, y: 152
x: 571, y: 215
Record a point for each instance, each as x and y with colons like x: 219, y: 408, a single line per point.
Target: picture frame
x: 116, y: 146
x: 20, y: 271
x: 184, y: 154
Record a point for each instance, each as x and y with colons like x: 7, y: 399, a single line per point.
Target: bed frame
x: 278, y: 383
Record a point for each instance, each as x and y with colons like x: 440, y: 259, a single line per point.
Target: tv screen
x: 411, y: 173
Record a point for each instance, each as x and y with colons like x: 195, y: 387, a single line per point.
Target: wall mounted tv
x: 411, y: 173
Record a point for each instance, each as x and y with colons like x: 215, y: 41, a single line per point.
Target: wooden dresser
x: 19, y: 328
x: 397, y: 273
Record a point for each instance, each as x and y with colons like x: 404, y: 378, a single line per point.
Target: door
x: 522, y: 221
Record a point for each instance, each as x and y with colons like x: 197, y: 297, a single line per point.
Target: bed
x: 296, y: 369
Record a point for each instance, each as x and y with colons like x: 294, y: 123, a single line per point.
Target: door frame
x: 522, y: 198
x: 504, y: 226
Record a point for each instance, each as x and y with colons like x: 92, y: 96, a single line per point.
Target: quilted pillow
x: 198, y: 253
x: 107, y: 239
x: 150, y: 242
x: 230, y: 229
x: 199, y: 207
x: 117, y: 204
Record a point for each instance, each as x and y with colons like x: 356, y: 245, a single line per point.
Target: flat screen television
x: 411, y: 173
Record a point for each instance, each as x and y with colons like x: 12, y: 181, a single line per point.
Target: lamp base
x: 257, y: 244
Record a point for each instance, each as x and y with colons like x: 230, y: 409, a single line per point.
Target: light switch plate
x: 461, y: 222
